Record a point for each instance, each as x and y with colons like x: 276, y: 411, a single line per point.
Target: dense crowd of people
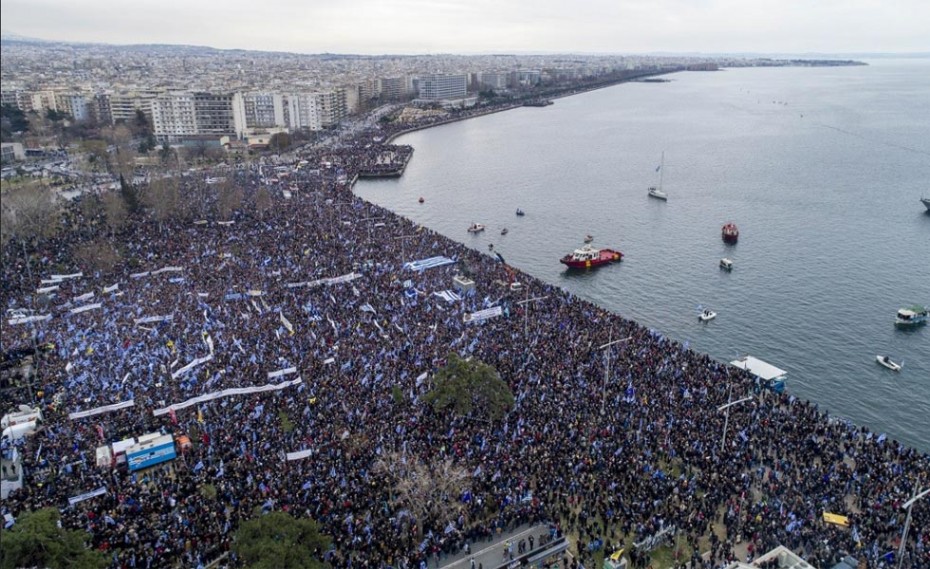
x: 603, y: 458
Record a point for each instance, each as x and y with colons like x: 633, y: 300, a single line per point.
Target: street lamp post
x: 907, y: 521
x: 607, y: 366
x: 527, y: 309
x: 403, y: 239
x: 726, y: 407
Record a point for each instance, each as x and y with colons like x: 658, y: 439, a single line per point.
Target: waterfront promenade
x: 308, y: 282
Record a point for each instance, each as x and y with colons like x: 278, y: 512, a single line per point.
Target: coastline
x: 830, y: 415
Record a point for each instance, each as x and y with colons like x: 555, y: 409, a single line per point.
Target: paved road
x: 490, y: 554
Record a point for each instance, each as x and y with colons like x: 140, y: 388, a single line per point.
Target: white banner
x: 85, y: 308
x: 28, y: 319
x: 281, y: 372
x: 87, y: 495
x: 104, y: 409
x: 343, y: 279
x: 65, y: 277
x: 167, y: 270
x: 482, y: 315
x: 47, y: 289
x: 299, y: 454
x: 225, y: 393
x: 191, y: 366
x: 111, y: 288
x: 149, y: 319
x: 84, y: 297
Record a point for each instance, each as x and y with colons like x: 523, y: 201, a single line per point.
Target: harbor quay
x: 292, y: 336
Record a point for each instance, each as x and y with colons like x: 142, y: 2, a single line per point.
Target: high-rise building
x: 262, y: 110
x: 174, y: 117
x: 393, y: 88
x: 443, y: 87
x: 213, y: 114
x: 493, y: 80
x: 316, y: 111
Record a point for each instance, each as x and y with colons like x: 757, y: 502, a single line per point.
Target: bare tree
x: 29, y: 212
x: 96, y: 155
x: 115, y: 210
x: 99, y: 255
x: 163, y: 198
x: 430, y: 490
x: 262, y: 201
x: 229, y: 198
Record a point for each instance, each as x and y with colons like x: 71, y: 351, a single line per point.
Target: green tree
x: 280, y: 142
x: 16, y: 117
x: 470, y: 387
x: 37, y: 541
x: 279, y: 541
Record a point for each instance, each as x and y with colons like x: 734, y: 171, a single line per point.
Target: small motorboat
x: 588, y: 238
x: 421, y: 199
x: 520, y: 212
x: 655, y: 192
x: 476, y: 228
x: 726, y: 264
x: 913, y: 316
x: 504, y: 231
x: 707, y: 315
x: 886, y: 361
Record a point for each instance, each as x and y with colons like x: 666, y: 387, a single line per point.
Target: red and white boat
x: 589, y: 256
x: 730, y: 233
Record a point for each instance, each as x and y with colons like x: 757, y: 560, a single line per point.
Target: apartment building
x: 393, y: 88
x: 493, y: 80
x: 74, y: 105
x: 316, y: 111
x: 122, y: 106
x: 174, y: 117
x: 214, y: 115
x: 261, y: 110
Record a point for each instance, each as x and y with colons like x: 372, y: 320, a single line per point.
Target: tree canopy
x: 279, y: 541
x: 35, y: 540
x: 470, y: 387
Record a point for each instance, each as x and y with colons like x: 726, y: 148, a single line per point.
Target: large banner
x: 87, y: 495
x: 104, y: 409
x: 299, y: 454
x: 482, y: 315
x: 431, y: 263
x: 225, y: 393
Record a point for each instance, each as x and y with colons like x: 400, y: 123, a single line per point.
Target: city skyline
x: 476, y: 27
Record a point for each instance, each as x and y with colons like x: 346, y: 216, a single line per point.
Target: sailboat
x: 656, y: 191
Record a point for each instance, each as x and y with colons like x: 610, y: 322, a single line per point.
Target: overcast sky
x: 485, y: 26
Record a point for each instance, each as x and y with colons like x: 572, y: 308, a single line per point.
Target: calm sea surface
x: 821, y: 168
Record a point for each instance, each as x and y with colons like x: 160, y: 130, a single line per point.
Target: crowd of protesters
x: 604, y: 459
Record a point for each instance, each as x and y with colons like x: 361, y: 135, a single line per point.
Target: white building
x: 443, y: 87
x: 179, y: 116
x: 316, y: 111
x: 12, y: 151
x: 261, y: 110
